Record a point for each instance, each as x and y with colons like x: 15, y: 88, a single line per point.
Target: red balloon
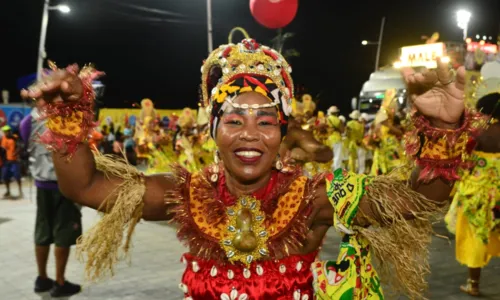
x: 274, y: 14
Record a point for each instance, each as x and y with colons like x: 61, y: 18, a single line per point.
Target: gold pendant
x: 246, y: 234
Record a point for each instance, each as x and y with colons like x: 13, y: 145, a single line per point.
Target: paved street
x: 155, y: 270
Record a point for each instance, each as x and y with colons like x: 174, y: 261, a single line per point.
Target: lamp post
x: 463, y: 18
x: 209, y: 26
x: 43, y: 33
x: 379, y: 43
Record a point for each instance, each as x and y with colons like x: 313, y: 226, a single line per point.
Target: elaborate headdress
x: 247, y: 66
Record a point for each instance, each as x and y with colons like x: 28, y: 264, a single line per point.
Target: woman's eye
x: 265, y: 123
x: 234, y: 122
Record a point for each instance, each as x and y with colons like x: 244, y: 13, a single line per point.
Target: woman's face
x: 249, y: 140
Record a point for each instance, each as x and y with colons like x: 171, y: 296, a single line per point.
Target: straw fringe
x: 101, y: 244
x: 400, y: 242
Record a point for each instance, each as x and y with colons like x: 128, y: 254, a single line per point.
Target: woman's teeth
x: 248, y: 154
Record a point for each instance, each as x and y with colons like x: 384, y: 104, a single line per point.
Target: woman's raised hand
x: 62, y: 85
x: 437, y: 94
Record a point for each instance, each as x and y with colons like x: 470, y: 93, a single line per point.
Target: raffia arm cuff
x: 100, y: 246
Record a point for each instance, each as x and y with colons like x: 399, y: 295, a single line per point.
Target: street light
x: 463, y: 18
x: 43, y: 33
x: 379, y: 43
x: 62, y: 8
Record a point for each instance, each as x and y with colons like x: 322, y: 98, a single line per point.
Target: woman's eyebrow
x: 236, y: 111
x: 262, y: 113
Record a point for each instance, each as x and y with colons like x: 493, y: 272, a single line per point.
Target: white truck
x: 373, y: 90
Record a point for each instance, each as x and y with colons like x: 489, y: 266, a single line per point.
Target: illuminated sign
x: 421, y: 55
x: 485, y: 47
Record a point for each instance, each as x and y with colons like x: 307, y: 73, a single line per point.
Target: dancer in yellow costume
x: 144, y: 129
x: 308, y: 109
x: 475, y: 212
x: 355, y: 132
x: 184, y: 141
x: 388, y: 153
x: 336, y: 127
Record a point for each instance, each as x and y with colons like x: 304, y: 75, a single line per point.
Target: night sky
x: 158, y: 53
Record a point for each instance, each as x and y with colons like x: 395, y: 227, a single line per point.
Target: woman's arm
x: 63, y: 95
x: 310, y: 148
x: 80, y: 181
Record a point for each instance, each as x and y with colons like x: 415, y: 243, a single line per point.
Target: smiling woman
x: 249, y: 140
x: 253, y: 228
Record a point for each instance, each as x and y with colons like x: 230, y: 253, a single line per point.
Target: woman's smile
x: 248, y: 155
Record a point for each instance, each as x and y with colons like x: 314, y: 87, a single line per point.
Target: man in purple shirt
x: 58, y: 220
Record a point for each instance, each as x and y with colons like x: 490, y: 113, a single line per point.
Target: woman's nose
x: 249, y: 133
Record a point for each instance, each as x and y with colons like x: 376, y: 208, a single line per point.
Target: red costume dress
x: 209, y: 220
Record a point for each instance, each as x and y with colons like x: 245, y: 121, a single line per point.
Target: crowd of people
x: 258, y: 175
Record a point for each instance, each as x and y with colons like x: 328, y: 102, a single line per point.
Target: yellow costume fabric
x: 355, y: 134
x: 334, y: 123
x: 186, y: 159
x: 206, y: 151
x: 475, y: 212
x: 161, y: 160
x: 352, y: 276
x: 389, y: 153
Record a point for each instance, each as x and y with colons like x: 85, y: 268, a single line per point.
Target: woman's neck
x: 238, y: 188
